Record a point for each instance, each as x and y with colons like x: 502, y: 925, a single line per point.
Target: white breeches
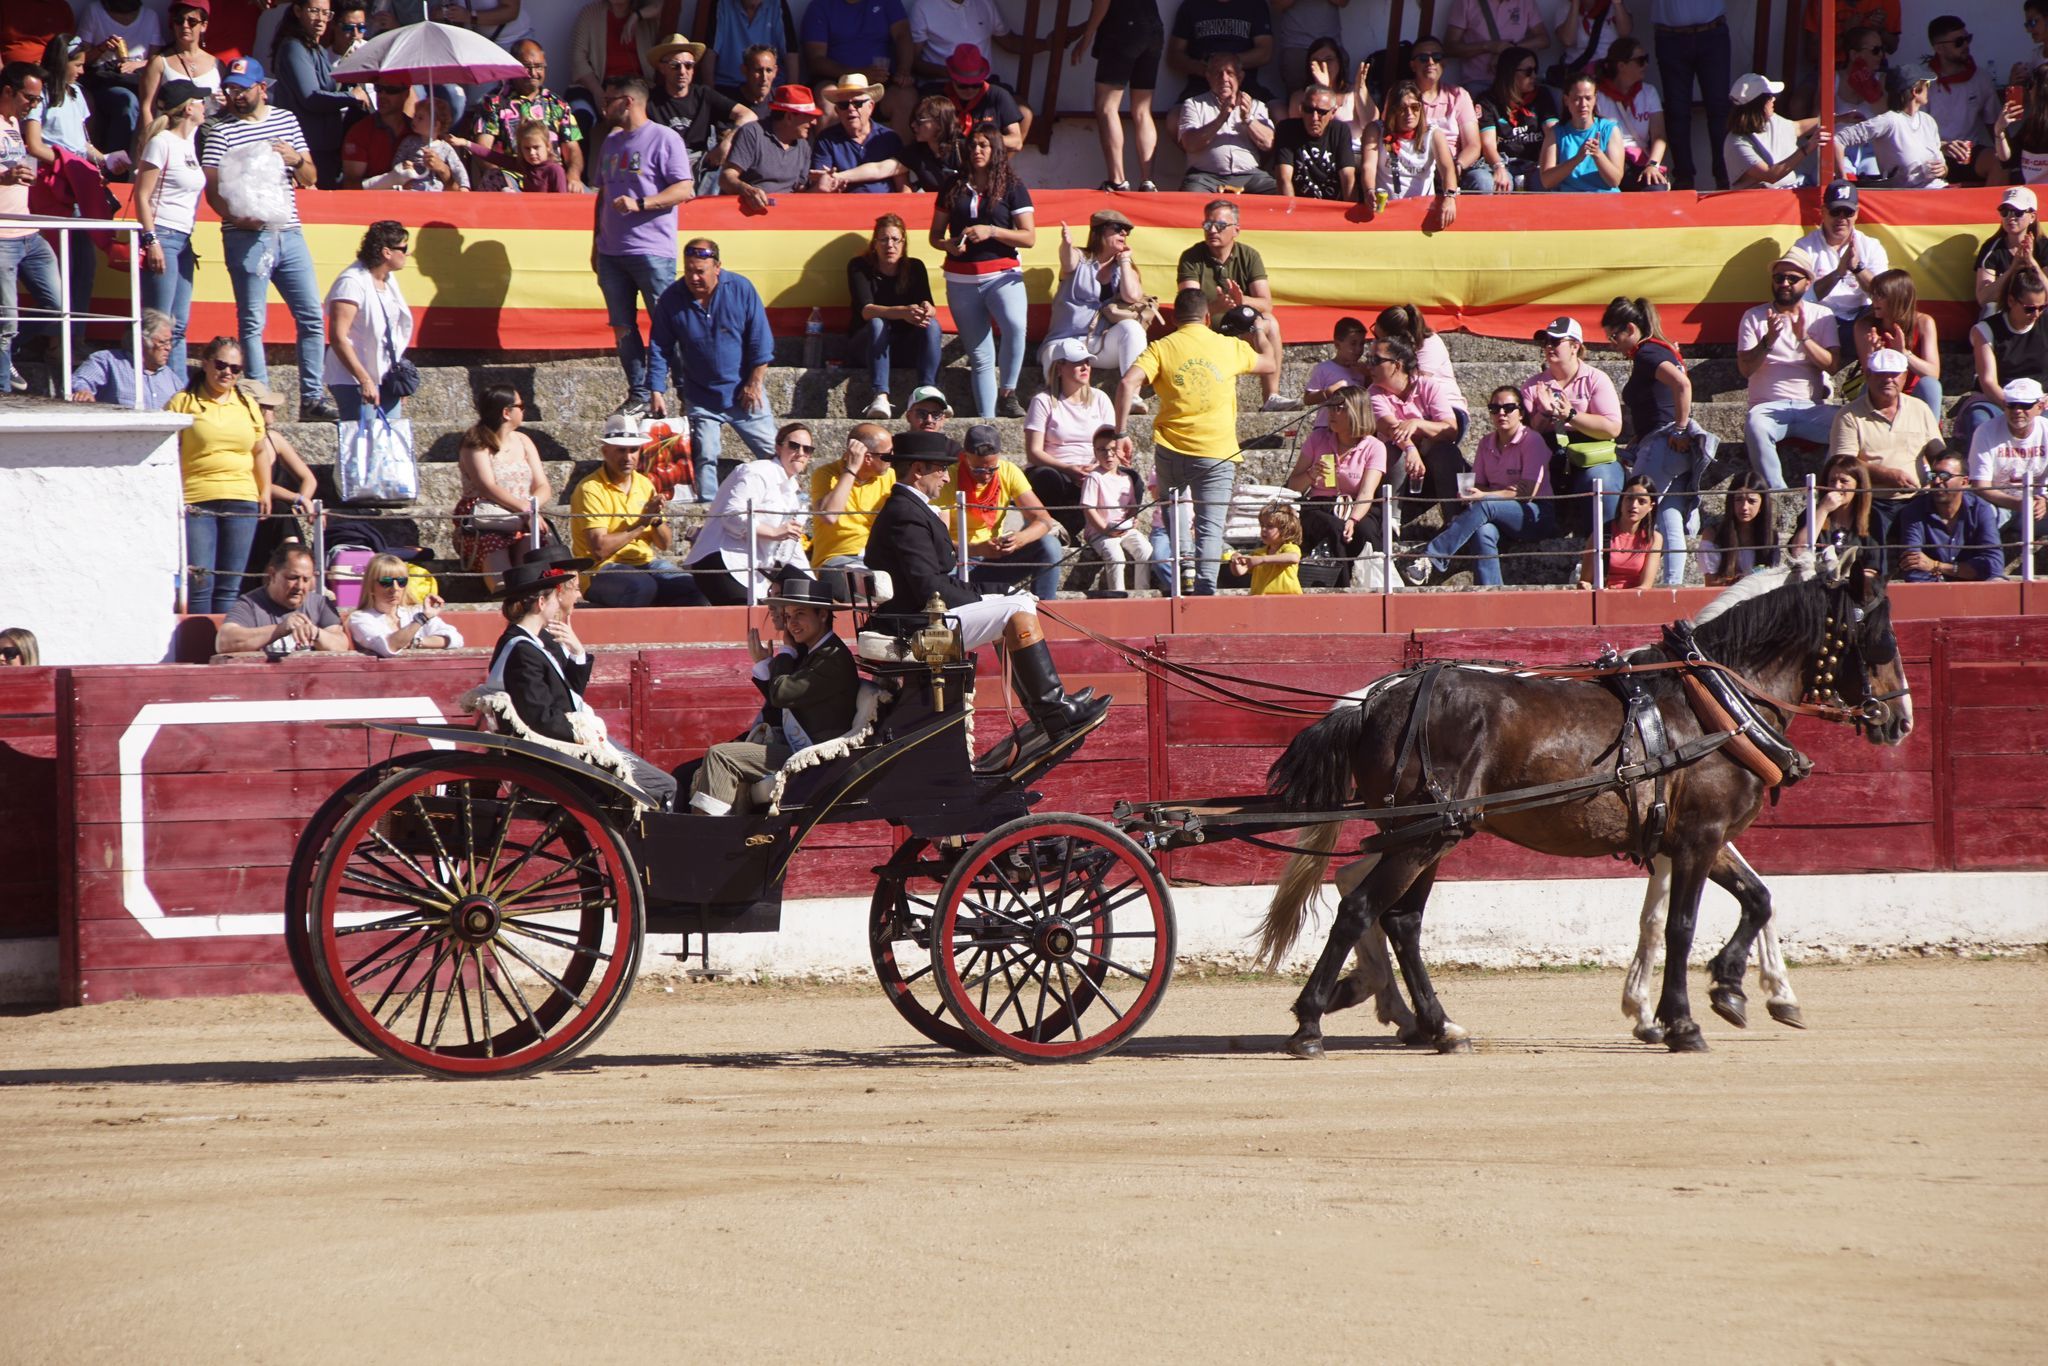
x: 982, y: 623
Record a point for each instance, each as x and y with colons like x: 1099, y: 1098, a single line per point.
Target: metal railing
x: 63, y: 315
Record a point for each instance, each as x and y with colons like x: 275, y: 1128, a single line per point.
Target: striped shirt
x: 219, y: 135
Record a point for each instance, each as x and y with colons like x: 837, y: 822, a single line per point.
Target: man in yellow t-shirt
x: 993, y: 486
x: 620, y: 527
x: 846, y: 494
x: 1194, y: 371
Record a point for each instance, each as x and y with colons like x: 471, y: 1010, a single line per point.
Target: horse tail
x: 1291, y: 899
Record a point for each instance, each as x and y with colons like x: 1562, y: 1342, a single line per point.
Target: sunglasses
x: 10, y: 652
x: 1959, y: 40
x: 1788, y: 279
x: 699, y: 254
x: 189, y: 20
x: 1430, y: 58
x: 2031, y: 310
x: 1218, y: 225
x: 225, y: 367
x: 1503, y: 407
x: 2020, y: 407
x: 1841, y: 213
x: 354, y: 28
x: 1318, y: 113
x: 855, y: 104
x: 800, y: 447
x: 391, y: 583
x: 1525, y: 70
x: 2007, y: 211
x: 679, y: 64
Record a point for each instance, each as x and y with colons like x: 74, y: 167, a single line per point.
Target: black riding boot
x: 1046, y: 699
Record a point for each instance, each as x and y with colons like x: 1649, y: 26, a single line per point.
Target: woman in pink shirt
x: 1414, y: 417
x: 1510, y: 480
x: 1339, y: 478
x: 1404, y: 322
x: 1579, y: 410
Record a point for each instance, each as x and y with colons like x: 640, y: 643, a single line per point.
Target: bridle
x: 1841, y: 658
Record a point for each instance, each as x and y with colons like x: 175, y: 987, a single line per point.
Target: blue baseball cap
x: 244, y: 72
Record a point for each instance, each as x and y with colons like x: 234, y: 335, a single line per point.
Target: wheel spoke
x: 1111, y: 963
x: 397, y: 978
x: 360, y: 971
x: 569, y: 945
x: 583, y: 863
x: 525, y: 1007
x: 504, y: 829
x: 483, y: 1005
x: 547, y: 836
x: 448, y: 999
x: 407, y: 859
x: 1067, y: 995
x: 404, y: 920
x: 557, y: 983
x: 434, y: 834
x: 426, y: 984
x: 397, y: 893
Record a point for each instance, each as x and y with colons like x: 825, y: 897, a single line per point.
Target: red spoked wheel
x: 476, y: 916
x: 1054, y: 939
x: 900, y: 916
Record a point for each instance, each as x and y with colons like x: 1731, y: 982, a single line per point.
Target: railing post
x: 64, y: 314
x: 753, y: 556
x: 532, y: 522
x: 1813, y: 514
x: 320, y: 540
x: 134, y: 311
x: 960, y: 530
x: 1171, y: 510
x: 1599, y: 544
x: 1388, y: 576
x: 2027, y: 527
x: 184, y: 577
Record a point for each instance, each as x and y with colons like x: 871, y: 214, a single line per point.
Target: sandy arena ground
x: 774, y: 1173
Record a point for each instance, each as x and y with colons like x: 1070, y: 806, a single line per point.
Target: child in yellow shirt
x: 1277, y: 567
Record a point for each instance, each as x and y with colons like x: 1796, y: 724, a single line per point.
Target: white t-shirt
x: 939, y: 26
x: 1847, y: 298
x: 1999, y: 458
x: 1070, y: 425
x: 1632, y: 118
x: 1788, y: 373
x: 1906, y: 146
x: 372, y: 631
x: 143, y: 34
x: 379, y: 314
x: 1115, y: 493
x: 1780, y: 138
x: 176, y: 203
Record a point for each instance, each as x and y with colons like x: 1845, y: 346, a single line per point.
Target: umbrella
x: 425, y: 53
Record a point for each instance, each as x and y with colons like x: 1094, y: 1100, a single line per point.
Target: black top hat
x: 930, y: 447
x: 801, y: 590
x: 540, y: 571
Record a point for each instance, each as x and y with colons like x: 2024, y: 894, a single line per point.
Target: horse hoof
x: 1454, y: 1043
x: 1300, y: 1047
x: 1650, y: 1033
x: 1785, y: 1013
x: 1413, y: 1038
x: 1685, y: 1038
x: 1731, y: 1005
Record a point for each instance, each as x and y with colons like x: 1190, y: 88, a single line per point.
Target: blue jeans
x: 1977, y: 412
x: 756, y: 429
x: 1162, y: 562
x: 171, y: 291
x: 1486, y: 522
x: 624, y: 281
x: 875, y: 341
x: 1769, y: 423
x: 30, y: 256
x: 1038, y: 562
x: 116, y: 113
x: 1607, y: 480
x: 1681, y: 59
x: 217, y: 539
x: 1678, y: 518
x: 1209, y: 482
x: 659, y: 583
x: 990, y: 301
x: 1928, y: 390
x: 348, y: 404
x: 256, y: 260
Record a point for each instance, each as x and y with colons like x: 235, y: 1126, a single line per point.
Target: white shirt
x: 1070, y: 425
x: 1965, y: 109
x: 1633, y: 119
x: 372, y: 631
x: 380, y: 314
x: 1779, y: 139
x: 1999, y: 458
x: 1907, y: 145
x: 143, y: 34
x: 939, y: 26
x: 176, y: 203
x: 1230, y: 152
x: 775, y: 498
x: 1787, y: 374
x: 1847, y: 298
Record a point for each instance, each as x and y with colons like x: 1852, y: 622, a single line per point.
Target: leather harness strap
x: 1713, y: 717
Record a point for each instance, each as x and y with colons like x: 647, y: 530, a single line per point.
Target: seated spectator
x: 892, y: 309
x: 1949, y: 534
x: 1763, y: 151
x: 619, y: 525
x: 763, y: 72
x: 1100, y: 297
x: 2019, y: 136
x: 1894, y: 321
x: 846, y: 496
x: 1860, y: 91
x: 1449, y: 110
x: 1508, y: 497
x: 1227, y: 134
x: 1513, y: 118
x: 1338, y: 474
x: 856, y: 154
x: 168, y: 183
x: 773, y: 155
x: 931, y: 160
x: 1746, y: 537
x: 1632, y: 546
x: 1207, y: 28
x: 704, y: 118
x: 1109, y: 503
x: 766, y: 499
x: 392, y: 618
x: 2005, y: 456
x: 1478, y: 30
x: 608, y: 43
x: 1405, y: 323
x: 1126, y: 38
x: 109, y: 376
x: 1905, y: 139
x: 2017, y: 243
x: 369, y: 324
x: 1845, y: 261
x: 1582, y: 151
x: 1632, y: 104
x: 1575, y: 405
x: 928, y: 413
x: 741, y: 29
x: 527, y: 167
x: 713, y: 330
x: 1345, y: 369
x: 1330, y: 67
x: 940, y: 28
x: 871, y: 37
x: 350, y: 28
x: 1275, y: 567
x: 186, y: 57
x: 983, y: 221
x: 118, y: 35
x: 1962, y: 103
x: 502, y: 127
x: 1891, y: 432
x: 992, y: 486
x: 1405, y: 158
x: 305, y: 85
x: 1059, y: 432
x: 1312, y: 154
x: 287, y: 613
x: 1412, y: 414
x: 425, y: 159
x: 226, y: 471
x: 503, y: 482
x: 1785, y: 349
x: 18, y: 648
x: 1300, y: 27
x: 370, y: 147
x: 1845, y: 520
x: 1232, y: 276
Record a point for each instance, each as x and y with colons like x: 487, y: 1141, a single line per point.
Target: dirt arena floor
x: 762, y: 1173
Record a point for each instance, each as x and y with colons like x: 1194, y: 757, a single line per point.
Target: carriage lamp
x: 936, y: 646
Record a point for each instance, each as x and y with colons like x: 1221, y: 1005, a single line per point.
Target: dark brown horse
x: 1491, y: 730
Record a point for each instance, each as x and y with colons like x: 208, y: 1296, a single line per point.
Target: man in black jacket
x: 911, y: 545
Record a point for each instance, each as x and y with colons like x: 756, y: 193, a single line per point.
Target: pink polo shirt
x: 1525, y: 460
x: 1425, y: 399
x: 1590, y: 391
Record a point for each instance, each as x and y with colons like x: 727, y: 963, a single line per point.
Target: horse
x: 1502, y: 730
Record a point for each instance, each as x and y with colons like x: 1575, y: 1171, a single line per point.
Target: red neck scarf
x: 1865, y: 84
x: 1625, y: 98
x: 984, y: 501
x: 1962, y: 74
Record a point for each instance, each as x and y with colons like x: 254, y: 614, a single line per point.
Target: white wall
x: 90, y: 499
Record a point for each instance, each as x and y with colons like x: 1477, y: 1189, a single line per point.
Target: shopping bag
x: 373, y: 460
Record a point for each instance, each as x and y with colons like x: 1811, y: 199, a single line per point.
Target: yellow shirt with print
x: 601, y: 506
x: 217, y: 452
x: 1277, y: 578
x: 1010, y: 482
x: 1194, y: 371
x: 848, y: 535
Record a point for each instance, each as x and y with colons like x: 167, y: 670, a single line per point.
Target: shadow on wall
x: 1747, y: 274
x: 470, y: 285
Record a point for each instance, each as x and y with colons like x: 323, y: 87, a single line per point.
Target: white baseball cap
x: 1557, y: 329
x: 2020, y: 197
x: 1886, y: 362
x: 1753, y: 87
x: 1072, y: 350
x: 2026, y: 391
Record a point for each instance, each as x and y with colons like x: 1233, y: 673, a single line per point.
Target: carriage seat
x: 768, y: 792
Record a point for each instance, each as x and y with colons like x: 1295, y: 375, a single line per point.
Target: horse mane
x: 1763, y: 616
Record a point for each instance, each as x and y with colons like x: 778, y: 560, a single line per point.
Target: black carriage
x: 479, y: 909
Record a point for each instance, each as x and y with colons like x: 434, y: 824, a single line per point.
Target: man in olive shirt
x: 1231, y: 275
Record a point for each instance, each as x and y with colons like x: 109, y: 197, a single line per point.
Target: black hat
x: 798, y: 589
x: 982, y: 439
x: 540, y: 571
x: 1239, y: 321
x: 930, y: 447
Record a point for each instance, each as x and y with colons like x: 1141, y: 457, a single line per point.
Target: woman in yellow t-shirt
x: 1277, y: 566
x: 226, y: 459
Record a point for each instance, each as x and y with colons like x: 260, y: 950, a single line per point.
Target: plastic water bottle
x: 814, y: 340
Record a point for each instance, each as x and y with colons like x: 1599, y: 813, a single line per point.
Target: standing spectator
x: 846, y: 495
x: 1480, y: 30
x: 1575, y: 405
x: 892, y: 307
x: 350, y: 28
x: 1950, y: 535
x: 1905, y: 138
x: 2016, y: 243
x: 763, y: 73
x: 1109, y: 502
x: 1207, y: 28
x: 109, y: 376
x: 18, y: 649
x: 1658, y: 392
x: 1845, y: 260
x: 1298, y: 25
x: 763, y: 499
x: 1231, y: 276
x: 22, y: 249
x: 305, y: 85
x: 62, y: 116
x: 119, y: 35
x: 1313, y: 156
x: 976, y: 98
x: 738, y: 27
x: 185, y: 59
x: 527, y: 100
x: 1891, y: 433
x: 1746, y: 537
x: 1099, y: 296
x: 370, y: 146
x: 643, y: 174
x: 1126, y: 38
x: 1194, y: 371
x: 608, y: 43
x: 1406, y: 158
x: 1632, y: 545
x: 1339, y: 474
x: 1785, y: 349
x: 284, y: 614
x: 1227, y: 134
x: 618, y: 524
x: 260, y: 255
x: 503, y: 481
x: 857, y: 154
x: 1405, y: 323
x: 1859, y: 90
x: 1693, y: 45
x: 1582, y: 152
x: 1513, y: 118
x: 714, y: 332
x: 1275, y: 567
x: 704, y: 118
x: 1845, y: 522
x: 931, y: 161
x: 369, y: 326
x: 1761, y: 150
x: 982, y: 222
x: 772, y: 156
x: 1412, y: 414
x: 391, y: 619
x: 1450, y: 111
x: 869, y: 36
x: 1059, y: 431
x: 168, y: 184
x: 1963, y: 102
x: 1895, y: 322
x: 1510, y: 486
x: 1632, y: 103
x: 226, y: 469
x: 70, y: 183
x: 992, y: 488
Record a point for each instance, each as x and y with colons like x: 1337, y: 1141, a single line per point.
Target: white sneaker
x: 878, y: 407
x: 1416, y: 571
x: 1280, y: 403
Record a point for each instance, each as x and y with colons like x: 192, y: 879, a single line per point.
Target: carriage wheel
x: 1060, y: 939
x: 900, y: 919
x: 476, y: 916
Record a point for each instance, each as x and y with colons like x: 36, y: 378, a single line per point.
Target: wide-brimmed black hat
x: 540, y: 571
x: 801, y: 590
x: 930, y: 447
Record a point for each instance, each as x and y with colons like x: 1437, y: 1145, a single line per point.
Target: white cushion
x: 879, y: 648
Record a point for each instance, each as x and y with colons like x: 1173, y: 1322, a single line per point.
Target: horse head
x: 1858, y: 667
